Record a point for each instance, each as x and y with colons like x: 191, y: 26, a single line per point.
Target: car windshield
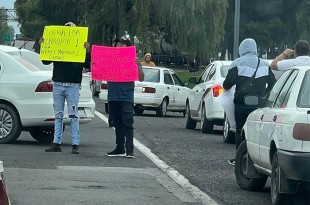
x: 304, y: 94
x: 151, y: 75
x: 30, y: 60
x: 224, y: 70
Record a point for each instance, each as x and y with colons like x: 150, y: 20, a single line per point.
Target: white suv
x: 277, y: 140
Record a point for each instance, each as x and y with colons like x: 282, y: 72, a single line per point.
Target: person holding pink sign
x: 120, y: 99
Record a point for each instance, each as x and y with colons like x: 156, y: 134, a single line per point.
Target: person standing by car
x: 301, y: 54
x: 243, y: 69
x: 120, y: 99
x: 147, y: 61
x: 67, y: 78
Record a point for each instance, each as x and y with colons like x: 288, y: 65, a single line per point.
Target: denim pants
x: 122, y: 117
x: 71, y: 95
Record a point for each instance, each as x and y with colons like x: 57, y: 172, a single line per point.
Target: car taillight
x: 217, y: 90
x: 148, y: 90
x: 45, y: 86
x: 301, y: 132
x: 104, y: 86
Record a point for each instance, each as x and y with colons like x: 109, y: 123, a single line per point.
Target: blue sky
x: 9, y: 4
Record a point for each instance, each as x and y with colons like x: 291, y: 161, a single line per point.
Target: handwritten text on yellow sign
x: 64, y: 43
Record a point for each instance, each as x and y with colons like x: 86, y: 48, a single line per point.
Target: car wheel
x: 205, y: 125
x: 278, y: 198
x: 138, y: 111
x: 228, y: 136
x: 251, y: 184
x: 190, y: 123
x: 162, y: 109
x: 10, y: 126
x: 43, y: 134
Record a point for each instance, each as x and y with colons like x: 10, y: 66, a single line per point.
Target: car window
x: 167, y: 78
x: 211, y: 74
x: 224, y: 70
x: 177, y: 80
x: 204, y: 74
x: 285, y: 91
x: 304, y: 94
x: 277, y: 86
x: 151, y: 75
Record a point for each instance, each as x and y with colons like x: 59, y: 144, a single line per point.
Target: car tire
x: 10, y: 126
x: 43, y: 134
x: 138, y: 111
x: 276, y: 197
x: 161, y: 111
x: 190, y: 123
x: 205, y: 125
x: 228, y: 136
x: 250, y: 184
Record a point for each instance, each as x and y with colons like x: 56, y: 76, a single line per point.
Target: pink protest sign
x: 114, y: 64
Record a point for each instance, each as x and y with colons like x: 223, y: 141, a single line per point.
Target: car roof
x: 159, y: 68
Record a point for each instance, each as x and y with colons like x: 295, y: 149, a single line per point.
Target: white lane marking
x: 173, y: 174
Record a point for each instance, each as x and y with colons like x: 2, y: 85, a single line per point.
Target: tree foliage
x: 5, y: 29
x: 195, y: 27
x: 274, y: 24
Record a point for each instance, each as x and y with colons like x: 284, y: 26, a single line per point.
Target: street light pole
x: 236, y: 29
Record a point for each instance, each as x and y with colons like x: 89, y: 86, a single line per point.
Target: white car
x: 161, y: 91
x: 26, y: 100
x: 201, y: 105
x: 277, y: 140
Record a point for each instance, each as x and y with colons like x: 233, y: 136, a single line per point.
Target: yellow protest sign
x: 64, y: 43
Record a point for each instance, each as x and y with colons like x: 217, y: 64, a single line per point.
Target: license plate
x: 82, y: 112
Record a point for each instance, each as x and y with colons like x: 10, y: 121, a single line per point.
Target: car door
x: 197, y: 92
x: 271, y: 114
x: 170, y: 88
x: 181, y: 92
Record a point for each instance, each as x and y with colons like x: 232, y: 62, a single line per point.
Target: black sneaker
x: 117, y: 153
x: 231, y: 162
x: 54, y: 148
x: 75, y: 149
x: 129, y: 153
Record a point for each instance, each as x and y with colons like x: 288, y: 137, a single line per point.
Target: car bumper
x: 216, y: 112
x: 147, y: 101
x: 295, y: 165
x: 103, y: 96
x: 33, y: 113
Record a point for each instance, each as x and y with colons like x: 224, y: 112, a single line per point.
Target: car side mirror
x: 251, y: 100
x: 186, y: 84
x: 192, y: 80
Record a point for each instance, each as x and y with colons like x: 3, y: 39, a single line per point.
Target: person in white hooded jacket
x: 241, y: 70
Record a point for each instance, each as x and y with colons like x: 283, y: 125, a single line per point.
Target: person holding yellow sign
x: 67, y: 77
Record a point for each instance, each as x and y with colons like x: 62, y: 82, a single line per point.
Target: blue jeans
x: 71, y: 95
x: 122, y: 117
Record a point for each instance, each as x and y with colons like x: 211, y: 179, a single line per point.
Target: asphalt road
x: 200, y: 158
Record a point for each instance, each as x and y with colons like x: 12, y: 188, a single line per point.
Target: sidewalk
x: 91, y: 178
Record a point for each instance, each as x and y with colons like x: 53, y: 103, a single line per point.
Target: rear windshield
x: 30, y: 60
x: 151, y: 75
x: 224, y: 70
x: 304, y: 94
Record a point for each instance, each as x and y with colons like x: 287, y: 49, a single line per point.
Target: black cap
x: 123, y: 40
